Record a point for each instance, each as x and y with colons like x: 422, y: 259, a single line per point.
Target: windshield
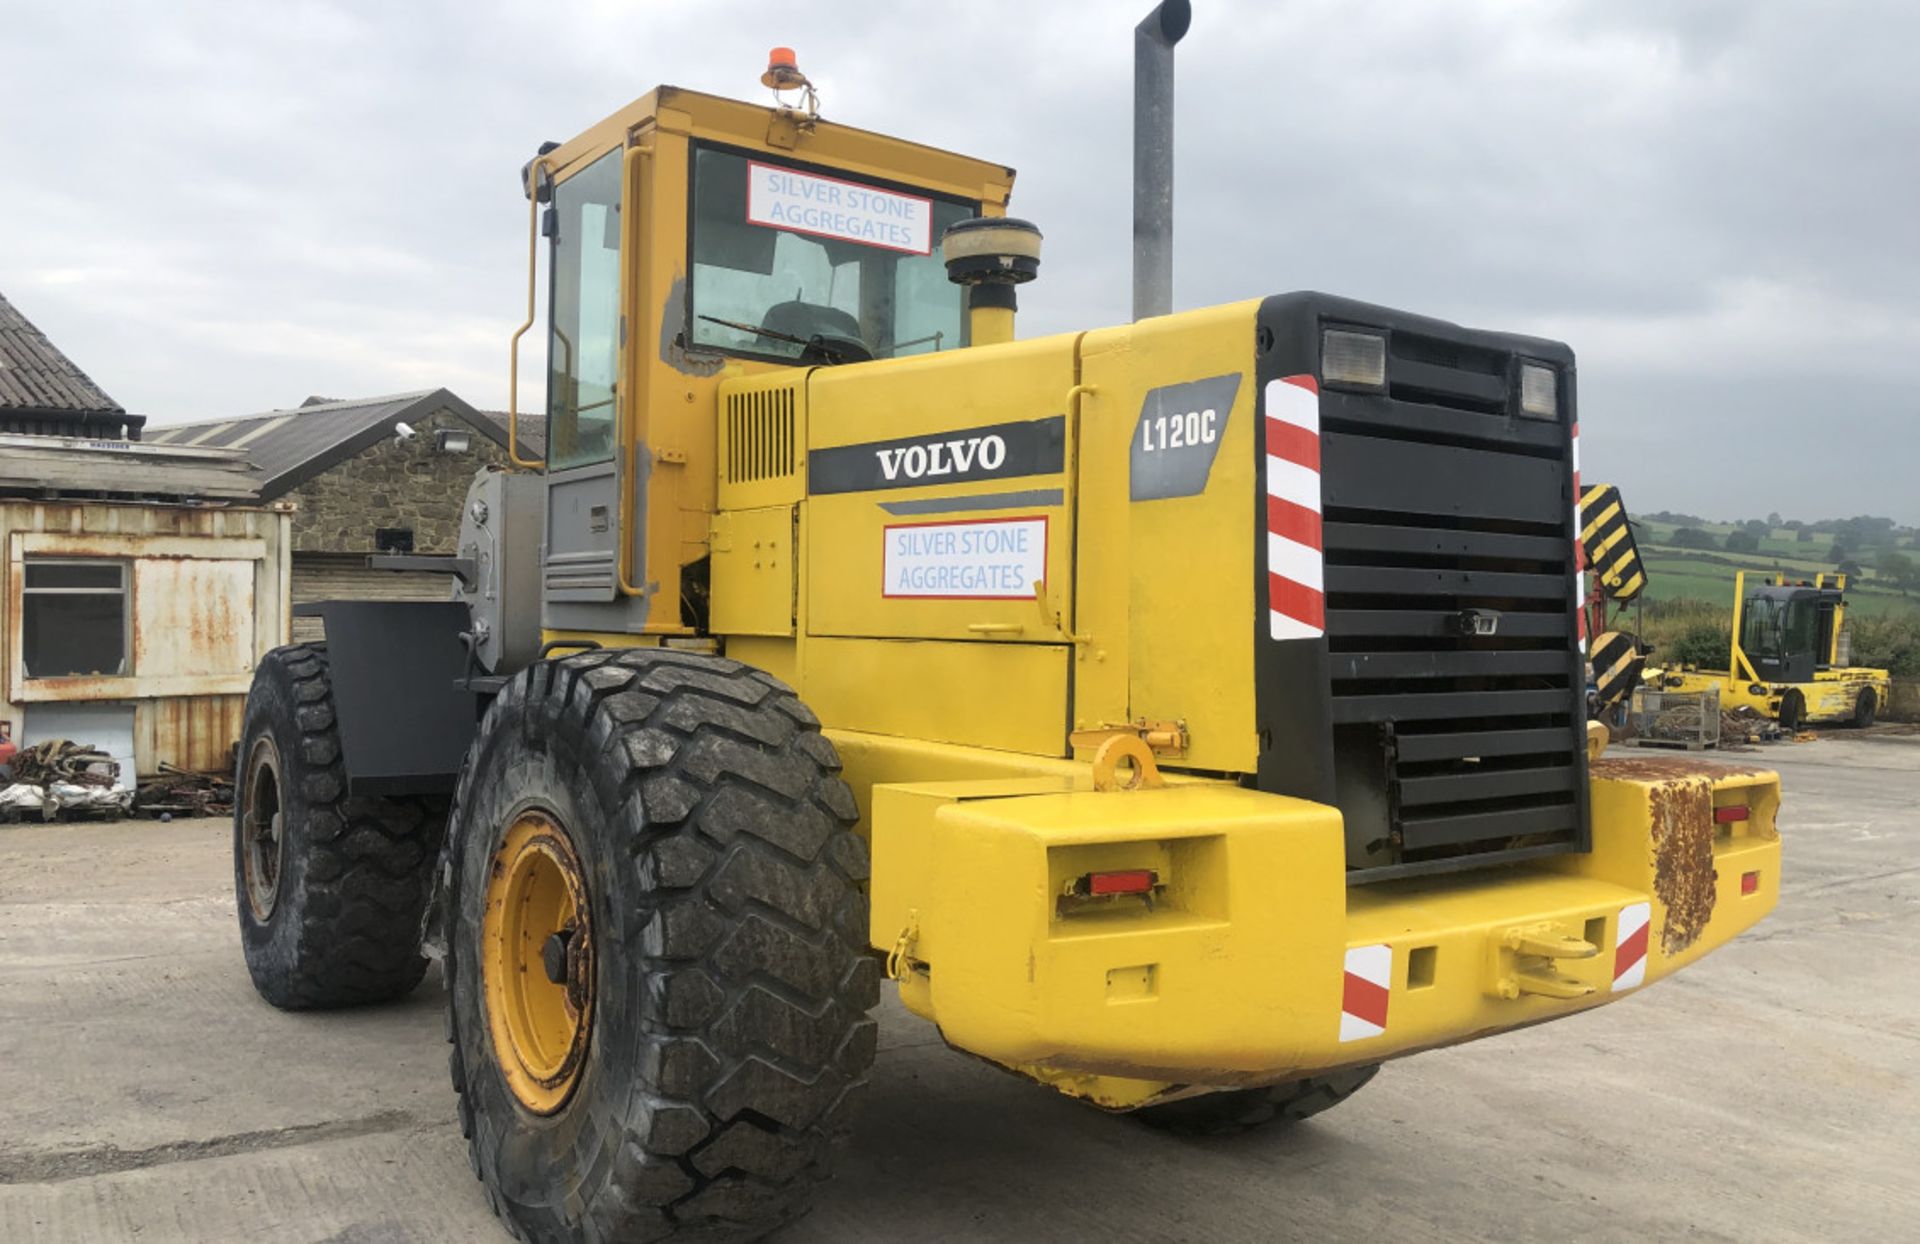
x: 1760, y: 627
x: 795, y: 264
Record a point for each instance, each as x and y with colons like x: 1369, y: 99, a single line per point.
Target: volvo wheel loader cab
x: 1186, y: 715
x: 1789, y: 656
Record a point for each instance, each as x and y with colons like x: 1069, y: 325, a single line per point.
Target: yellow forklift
x: 1789, y: 656
x: 1187, y: 715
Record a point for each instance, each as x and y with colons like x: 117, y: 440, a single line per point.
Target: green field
x: 1686, y: 574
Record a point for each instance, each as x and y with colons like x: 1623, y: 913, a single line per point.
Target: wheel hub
x: 536, y: 962
x: 262, y: 842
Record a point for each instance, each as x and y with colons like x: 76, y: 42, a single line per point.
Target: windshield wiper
x: 832, y: 352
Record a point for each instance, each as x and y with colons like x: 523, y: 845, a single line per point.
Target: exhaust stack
x: 1153, y: 41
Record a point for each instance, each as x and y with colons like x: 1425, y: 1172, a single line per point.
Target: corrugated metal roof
x: 533, y: 431
x: 50, y: 466
x: 35, y: 376
x: 289, y: 447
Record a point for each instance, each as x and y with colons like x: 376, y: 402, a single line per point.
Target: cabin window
x: 73, y: 617
x: 1760, y: 628
x: 1799, y: 626
x: 583, y: 343
x: 802, y: 264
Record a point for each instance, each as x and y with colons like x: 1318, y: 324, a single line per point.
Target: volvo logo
x: 942, y: 458
x: 953, y: 456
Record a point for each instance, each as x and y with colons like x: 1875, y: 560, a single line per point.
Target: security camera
x: 404, y: 432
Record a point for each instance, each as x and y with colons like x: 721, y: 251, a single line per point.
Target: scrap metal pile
x: 1743, y: 725
x: 59, y: 776
x: 176, y: 792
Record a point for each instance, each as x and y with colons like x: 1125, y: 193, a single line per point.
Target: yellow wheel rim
x: 536, y: 962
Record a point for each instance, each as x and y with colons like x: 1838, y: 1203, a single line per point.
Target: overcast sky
x: 219, y: 208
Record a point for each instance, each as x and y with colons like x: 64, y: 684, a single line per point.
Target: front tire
x: 331, y: 887
x: 676, y: 1053
x: 1793, y: 712
x: 1866, y: 708
x: 1242, y: 1110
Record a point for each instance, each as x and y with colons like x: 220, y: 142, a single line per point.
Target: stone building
x: 371, y: 475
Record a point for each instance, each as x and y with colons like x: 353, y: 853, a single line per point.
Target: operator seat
x: 834, y: 335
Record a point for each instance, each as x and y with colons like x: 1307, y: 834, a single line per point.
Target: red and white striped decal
x: 1630, y: 946
x: 1579, y: 548
x: 1296, y: 600
x: 1369, y: 984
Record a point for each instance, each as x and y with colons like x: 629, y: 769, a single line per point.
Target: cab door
x: 1799, y: 630
x: 580, y: 567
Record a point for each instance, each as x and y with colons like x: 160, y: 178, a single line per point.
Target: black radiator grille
x: 1443, y: 512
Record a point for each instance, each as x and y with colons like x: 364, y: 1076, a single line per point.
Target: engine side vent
x: 760, y: 435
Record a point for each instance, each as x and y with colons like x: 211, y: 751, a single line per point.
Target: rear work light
x: 1539, y: 391
x: 1750, y: 883
x: 1358, y: 360
x: 1121, y: 881
x: 1731, y: 814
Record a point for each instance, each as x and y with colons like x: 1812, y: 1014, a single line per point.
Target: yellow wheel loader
x: 1789, y: 656
x: 1188, y: 716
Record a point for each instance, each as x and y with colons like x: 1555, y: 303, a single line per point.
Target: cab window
x: 583, y: 345
x: 1798, y: 626
x: 792, y: 263
x: 1760, y: 627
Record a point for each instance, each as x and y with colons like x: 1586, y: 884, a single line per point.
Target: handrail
x: 513, y: 347
x: 627, y: 378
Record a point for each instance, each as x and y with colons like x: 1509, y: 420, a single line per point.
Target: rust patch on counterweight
x: 1643, y: 768
x: 1683, y: 873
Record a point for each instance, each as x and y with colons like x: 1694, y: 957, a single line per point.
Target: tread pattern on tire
x: 1241, y: 1110
x: 747, y: 943
x: 360, y: 888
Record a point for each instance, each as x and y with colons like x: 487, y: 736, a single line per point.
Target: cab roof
x: 785, y: 132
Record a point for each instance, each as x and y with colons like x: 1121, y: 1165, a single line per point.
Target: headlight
x: 1539, y: 391
x: 1358, y: 359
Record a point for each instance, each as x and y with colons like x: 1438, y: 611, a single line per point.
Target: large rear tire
x: 331, y: 887
x: 657, y: 959
x: 1242, y: 1110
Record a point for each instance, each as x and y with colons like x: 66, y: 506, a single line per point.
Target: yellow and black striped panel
x: 1617, y: 662
x: 1611, y: 554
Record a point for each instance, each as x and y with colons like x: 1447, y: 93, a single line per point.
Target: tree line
x: 1854, y: 544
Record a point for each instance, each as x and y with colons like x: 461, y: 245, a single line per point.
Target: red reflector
x: 1749, y: 883
x: 1730, y: 814
x: 1125, y: 881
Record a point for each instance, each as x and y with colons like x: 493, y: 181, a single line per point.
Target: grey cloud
x: 219, y: 207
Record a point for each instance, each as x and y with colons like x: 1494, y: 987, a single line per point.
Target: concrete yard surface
x: 1768, y: 1093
